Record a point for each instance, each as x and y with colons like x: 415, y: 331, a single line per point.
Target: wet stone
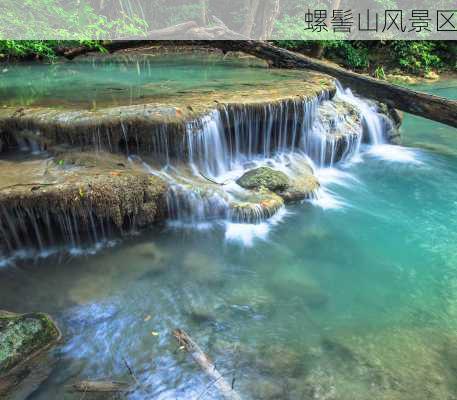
x: 21, y: 336
x: 264, y: 177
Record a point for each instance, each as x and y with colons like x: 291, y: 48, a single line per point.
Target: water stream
x: 351, y: 295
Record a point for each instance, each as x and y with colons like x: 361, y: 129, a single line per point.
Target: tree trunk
x: 204, y: 12
x: 424, y: 105
x: 248, y: 25
x: 318, y: 50
x: 267, y: 18
x: 436, y: 108
x: 100, y: 386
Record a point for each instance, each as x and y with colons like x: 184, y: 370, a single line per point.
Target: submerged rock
x: 297, y: 283
x: 21, y: 338
x: 266, y: 390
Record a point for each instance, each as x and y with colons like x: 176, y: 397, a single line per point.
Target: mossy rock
x: 301, y: 188
x: 264, y: 177
x: 258, y: 206
x: 22, y: 336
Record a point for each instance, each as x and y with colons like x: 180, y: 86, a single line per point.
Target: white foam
x: 325, y: 197
x: 83, y: 251
x: 394, y: 153
x: 246, y: 234
x: 198, y: 226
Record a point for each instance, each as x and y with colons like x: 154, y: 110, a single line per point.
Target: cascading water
x: 202, y: 167
x: 373, y: 123
x: 287, y: 136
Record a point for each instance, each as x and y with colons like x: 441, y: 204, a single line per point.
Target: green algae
x: 23, y: 335
x: 264, y: 177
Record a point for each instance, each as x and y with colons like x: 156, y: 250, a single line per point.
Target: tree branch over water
x: 418, y: 103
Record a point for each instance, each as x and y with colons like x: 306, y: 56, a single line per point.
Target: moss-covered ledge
x: 73, y: 196
x: 23, y: 336
x: 142, y: 125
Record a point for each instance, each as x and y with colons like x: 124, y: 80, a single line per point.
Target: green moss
x: 264, y: 177
x: 23, y: 335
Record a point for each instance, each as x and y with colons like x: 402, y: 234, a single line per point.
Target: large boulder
x: 264, y: 177
x: 300, y: 186
x: 23, y: 336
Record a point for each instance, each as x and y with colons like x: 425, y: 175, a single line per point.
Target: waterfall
x: 202, y: 160
x: 372, y: 121
x: 222, y: 145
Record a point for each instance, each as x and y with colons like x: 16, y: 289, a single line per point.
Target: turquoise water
x: 91, y: 83
x: 351, y: 297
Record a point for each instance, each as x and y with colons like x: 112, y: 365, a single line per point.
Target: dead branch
x: 186, y: 342
x: 212, y: 181
x: 100, y: 386
x: 418, y: 103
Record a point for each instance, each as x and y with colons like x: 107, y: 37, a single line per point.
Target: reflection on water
x: 351, y: 302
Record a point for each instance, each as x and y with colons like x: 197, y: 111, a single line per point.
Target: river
x: 352, y: 295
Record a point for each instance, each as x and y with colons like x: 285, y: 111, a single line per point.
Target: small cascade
x: 375, y: 125
x: 201, y: 161
x: 232, y: 136
x: 42, y: 230
x: 232, y: 139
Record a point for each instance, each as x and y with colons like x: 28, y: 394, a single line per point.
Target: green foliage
x: 24, y: 48
x: 416, y: 56
x: 379, y: 72
x: 32, y: 19
x: 353, y: 54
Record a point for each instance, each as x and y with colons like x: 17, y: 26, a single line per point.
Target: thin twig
x: 211, y: 384
x: 27, y: 184
x: 131, y: 371
x: 213, y: 181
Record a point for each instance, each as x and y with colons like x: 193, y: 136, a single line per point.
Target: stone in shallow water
x: 201, y: 268
x: 398, y: 362
x: 21, y: 337
x: 257, y: 206
x: 266, y: 390
x: 297, y: 283
x: 300, y: 186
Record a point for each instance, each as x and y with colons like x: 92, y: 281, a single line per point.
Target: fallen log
x: 418, y: 103
x: 190, y: 30
x: 206, y: 365
x: 100, y: 386
x: 422, y: 104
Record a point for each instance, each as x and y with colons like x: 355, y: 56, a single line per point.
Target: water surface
x: 353, y: 296
x: 93, y: 83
